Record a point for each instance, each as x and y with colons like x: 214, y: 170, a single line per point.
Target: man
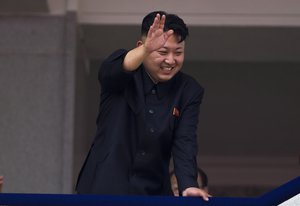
x: 148, y: 112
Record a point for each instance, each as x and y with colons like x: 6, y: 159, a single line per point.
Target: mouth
x: 167, y: 68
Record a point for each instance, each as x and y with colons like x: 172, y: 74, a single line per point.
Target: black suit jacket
x: 124, y: 158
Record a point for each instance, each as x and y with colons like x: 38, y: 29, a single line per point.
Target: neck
x: 154, y: 81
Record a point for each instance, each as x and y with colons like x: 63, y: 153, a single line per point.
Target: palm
x: 156, y: 37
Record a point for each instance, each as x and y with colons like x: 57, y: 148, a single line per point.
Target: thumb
x: 169, y: 32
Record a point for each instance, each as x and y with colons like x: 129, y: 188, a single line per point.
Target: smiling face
x: 165, y: 62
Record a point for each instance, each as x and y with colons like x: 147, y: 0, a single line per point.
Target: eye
x: 162, y: 53
x: 178, y: 53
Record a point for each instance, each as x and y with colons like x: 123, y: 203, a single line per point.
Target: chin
x: 165, y: 79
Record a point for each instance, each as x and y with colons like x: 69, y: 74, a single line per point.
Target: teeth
x: 167, y: 68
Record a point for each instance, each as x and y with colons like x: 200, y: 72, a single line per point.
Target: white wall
x: 37, y: 85
x: 195, y: 12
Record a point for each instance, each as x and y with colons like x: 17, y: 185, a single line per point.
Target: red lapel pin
x: 175, y: 112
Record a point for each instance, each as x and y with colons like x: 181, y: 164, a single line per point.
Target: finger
x: 150, y: 31
x: 154, y: 25
x: 169, y: 33
x: 156, y: 21
x: 205, y: 198
x: 162, y: 22
x: 204, y: 195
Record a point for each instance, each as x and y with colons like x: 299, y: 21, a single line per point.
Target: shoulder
x: 118, y: 54
x: 189, y: 88
x: 189, y: 83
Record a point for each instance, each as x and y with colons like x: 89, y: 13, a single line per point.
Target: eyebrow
x: 175, y: 48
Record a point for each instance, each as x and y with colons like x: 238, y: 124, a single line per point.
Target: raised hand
x: 156, y: 37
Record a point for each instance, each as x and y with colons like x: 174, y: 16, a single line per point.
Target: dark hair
x: 173, y: 22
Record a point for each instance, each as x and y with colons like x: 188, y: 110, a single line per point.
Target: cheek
x: 154, y: 59
x: 180, y: 60
x: 156, y: 63
x: 158, y: 59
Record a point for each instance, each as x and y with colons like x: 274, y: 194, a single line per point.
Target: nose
x: 170, y: 59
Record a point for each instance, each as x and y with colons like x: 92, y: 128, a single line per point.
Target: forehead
x: 173, y: 42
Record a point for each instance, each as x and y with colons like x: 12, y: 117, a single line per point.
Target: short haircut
x: 173, y: 22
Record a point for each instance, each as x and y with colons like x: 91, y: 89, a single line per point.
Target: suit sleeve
x: 112, y: 76
x: 184, y: 149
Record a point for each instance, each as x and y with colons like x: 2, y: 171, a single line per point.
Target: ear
x: 139, y: 43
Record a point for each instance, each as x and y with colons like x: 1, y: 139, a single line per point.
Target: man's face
x: 165, y: 62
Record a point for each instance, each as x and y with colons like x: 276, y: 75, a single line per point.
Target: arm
x: 185, y: 146
x: 118, y: 68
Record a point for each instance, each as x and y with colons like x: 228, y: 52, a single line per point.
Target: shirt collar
x: 162, y: 88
